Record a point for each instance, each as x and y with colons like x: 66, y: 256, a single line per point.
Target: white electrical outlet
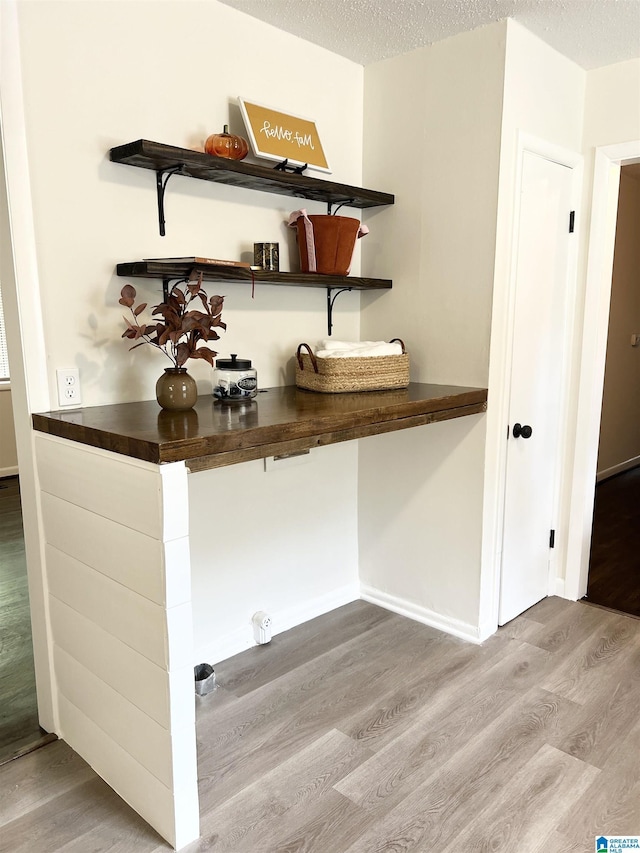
x: 261, y: 627
x: 68, y: 386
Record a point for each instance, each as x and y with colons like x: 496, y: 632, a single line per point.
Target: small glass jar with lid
x: 234, y: 379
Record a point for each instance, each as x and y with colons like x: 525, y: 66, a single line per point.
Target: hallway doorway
x: 614, y: 568
x: 19, y: 728
x: 609, y: 160
x: 29, y: 384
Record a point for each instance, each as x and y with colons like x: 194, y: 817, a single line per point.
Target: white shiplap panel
x: 126, y: 555
x: 119, y: 577
x: 144, y: 739
x: 166, y: 698
x: 136, y: 621
x: 170, y: 756
x: 117, y: 487
x: 174, y: 815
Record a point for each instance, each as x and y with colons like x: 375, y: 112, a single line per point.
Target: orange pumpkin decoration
x: 227, y: 145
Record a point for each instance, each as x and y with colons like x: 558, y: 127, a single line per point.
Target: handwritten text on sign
x: 279, y: 136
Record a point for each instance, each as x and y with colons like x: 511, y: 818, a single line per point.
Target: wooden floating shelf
x: 195, y: 164
x: 167, y: 160
x: 168, y: 271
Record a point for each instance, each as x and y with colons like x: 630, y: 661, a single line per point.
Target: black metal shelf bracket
x: 162, y: 179
x: 346, y: 203
x: 330, y: 301
x: 166, y: 290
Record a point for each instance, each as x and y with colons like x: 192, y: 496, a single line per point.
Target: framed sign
x: 279, y: 136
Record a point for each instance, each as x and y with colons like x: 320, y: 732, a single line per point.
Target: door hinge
x: 572, y: 221
x: 552, y: 539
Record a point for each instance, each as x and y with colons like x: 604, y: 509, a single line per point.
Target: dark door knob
x: 524, y: 431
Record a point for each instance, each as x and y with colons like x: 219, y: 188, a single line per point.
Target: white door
x: 536, y: 381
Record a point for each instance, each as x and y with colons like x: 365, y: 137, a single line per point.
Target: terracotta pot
x: 176, y: 390
x: 334, y: 238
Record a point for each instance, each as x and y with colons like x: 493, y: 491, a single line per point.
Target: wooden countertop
x: 279, y: 421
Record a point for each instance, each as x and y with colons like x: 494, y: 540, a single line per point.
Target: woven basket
x: 339, y: 375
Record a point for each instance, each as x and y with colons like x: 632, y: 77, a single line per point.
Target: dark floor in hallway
x: 19, y: 729
x: 614, y: 570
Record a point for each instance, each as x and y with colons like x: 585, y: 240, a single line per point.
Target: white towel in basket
x: 329, y: 348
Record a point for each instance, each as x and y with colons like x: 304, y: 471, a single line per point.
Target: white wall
x: 100, y: 74
x: 8, y: 451
x: 619, y: 433
x: 283, y: 541
x: 612, y: 105
x: 420, y: 523
x: 432, y: 130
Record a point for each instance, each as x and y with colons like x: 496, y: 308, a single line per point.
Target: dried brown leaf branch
x: 182, y: 329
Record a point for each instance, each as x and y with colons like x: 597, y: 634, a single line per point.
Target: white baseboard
x: 242, y: 638
x: 486, y: 630
x: 11, y: 471
x: 449, y: 625
x: 560, y: 588
x: 618, y: 469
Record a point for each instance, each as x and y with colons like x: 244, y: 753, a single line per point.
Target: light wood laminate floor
x: 363, y: 731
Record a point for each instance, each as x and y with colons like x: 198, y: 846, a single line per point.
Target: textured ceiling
x: 592, y: 33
